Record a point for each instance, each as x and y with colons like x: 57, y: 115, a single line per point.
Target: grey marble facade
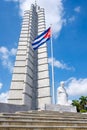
x: 30, y: 81
x: 61, y: 108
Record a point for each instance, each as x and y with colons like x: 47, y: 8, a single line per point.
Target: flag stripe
x: 41, y: 39
x: 37, y: 41
x: 42, y: 33
x: 36, y: 46
x: 41, y: 36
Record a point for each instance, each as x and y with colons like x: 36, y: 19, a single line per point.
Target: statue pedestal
x: 60, y: 108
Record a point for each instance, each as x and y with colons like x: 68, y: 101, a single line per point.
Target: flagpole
x: 53, y: 97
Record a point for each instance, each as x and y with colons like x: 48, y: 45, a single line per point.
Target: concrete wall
x: 10, y: 108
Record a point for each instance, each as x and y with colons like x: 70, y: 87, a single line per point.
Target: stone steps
x: 43, y: 120
x: 7, y: 127
x: 48, y: 115
x: 43, y: 123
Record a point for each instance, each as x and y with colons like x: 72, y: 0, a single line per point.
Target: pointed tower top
x: 35, y: 2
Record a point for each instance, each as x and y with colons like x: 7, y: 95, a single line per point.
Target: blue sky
x: 69, y: 20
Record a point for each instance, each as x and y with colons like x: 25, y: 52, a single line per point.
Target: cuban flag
x: 42, y: 38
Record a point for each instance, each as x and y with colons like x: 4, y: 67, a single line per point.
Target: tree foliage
x: 80, y: 104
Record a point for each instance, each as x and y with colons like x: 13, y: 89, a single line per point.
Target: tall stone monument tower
x: 30, y: 81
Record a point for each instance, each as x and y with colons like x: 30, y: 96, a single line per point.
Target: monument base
x: 12, y: 108
x: 60, y: 108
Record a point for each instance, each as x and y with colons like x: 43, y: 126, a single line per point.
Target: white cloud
x: 4, y: 97
x: 59, y: 64
x: 53, y: 8
x: 6, y: 57
x: 76, y: 87
x: 71, y: 19
x: 13, y: 51
x: 4, y: 52
x: 1, y: 85
x: 77, y: 9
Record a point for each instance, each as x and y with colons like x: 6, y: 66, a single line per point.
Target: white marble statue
x: 62, y: 96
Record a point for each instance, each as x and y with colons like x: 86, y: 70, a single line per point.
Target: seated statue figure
x: 62, y: 96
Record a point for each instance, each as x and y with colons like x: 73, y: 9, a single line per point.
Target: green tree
x: 77, y: 104
x: 83, y: 101
x: 80, y: 104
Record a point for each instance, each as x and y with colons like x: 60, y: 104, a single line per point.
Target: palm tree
x: 77, y: 104
x: 83, y: 101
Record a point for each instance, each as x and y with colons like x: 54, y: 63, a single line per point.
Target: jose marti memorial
x: 30, y: 86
